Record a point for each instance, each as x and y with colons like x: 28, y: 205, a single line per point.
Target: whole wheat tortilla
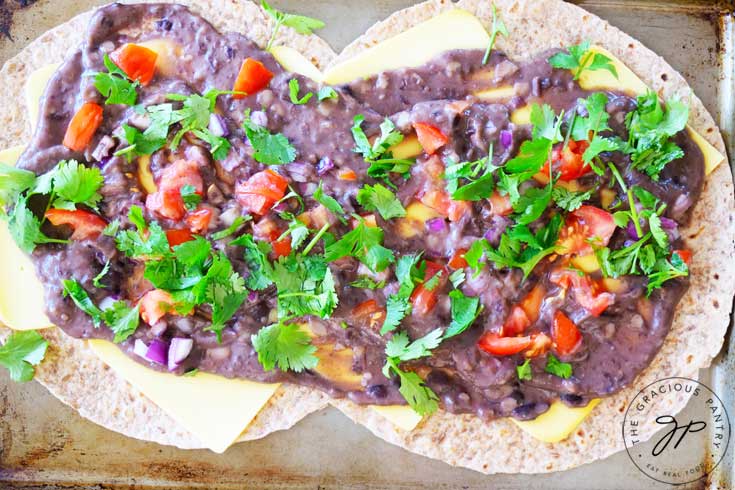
x: 702, y: 316
x: 462, y: 440
x: 71, y: 371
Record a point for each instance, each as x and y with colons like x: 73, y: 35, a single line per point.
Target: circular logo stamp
x: 686, y: 446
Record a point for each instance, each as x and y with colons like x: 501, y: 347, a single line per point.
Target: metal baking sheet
x: 47, y: 445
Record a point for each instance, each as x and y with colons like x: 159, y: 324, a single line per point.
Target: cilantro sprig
x: 115, y: 84
x: 363, y: 243
x: 293, y: 93
x: 377, y: 154
x: 381, y: 199
x: 579, y: 58
x: 21, y: 352
x: 286, y: 346
x: 478, y: 176
x: 497, y: 27
x: 300, y: 23
x: 270, y: 149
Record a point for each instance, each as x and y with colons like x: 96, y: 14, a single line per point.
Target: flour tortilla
x: 71, y: 371
x: 702, y: 316
x: 465, y: 440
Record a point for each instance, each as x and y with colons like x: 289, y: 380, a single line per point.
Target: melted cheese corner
x: 454, y: 29
x: 557, y: 423
x: 215, y: 409
x: 293, y: 61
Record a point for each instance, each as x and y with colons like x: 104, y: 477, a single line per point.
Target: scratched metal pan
x: 44, y: 444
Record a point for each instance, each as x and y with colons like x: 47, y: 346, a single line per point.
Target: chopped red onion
x: 106, y: 302
x: 668, y: 223
x: 139, y: 348
x: 299, y: 171
x: 179, y: 350
x: 157, y: 352
x: 103, y: 149
x: 325, y: 165
x: 218, y: 126
x: 632, y: 232
x: 436, y: 225
x: 506, y: 138
x: 260, y: 118
x: 253, y: 296
x: 498, y: 224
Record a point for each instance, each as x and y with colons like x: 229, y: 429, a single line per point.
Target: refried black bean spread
x: 510, y: 251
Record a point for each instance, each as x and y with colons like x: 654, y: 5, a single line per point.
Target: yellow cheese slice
x: 557, y: 423
x: 293, y: 61
x: 496, y: 94
x: 21, y: 293
x: 34, y: 88
x: 399, y: 415
x: 455, y: 29
x: 629, y: 82
x: 231, y: 403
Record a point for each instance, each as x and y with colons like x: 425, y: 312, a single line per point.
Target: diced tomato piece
x: 154, y: 305
x: 369, y: 314
x: 177, y: 237
x: 587, y: 292
x: 686, y: 255
x: 440, y: 202
x: 253, y: 77
x: 82, y: 126
x: 198, y: 220
x: 531, y: 303
x: 568, y: 162
x: 430, y: 137
x: 500, y: 204
x: 582, y: 225
x: 167, y: 200
x: 282, y: 248
x: 261, y: 191
x: 86, y: 225
x: 565, y: 334
x: 347, y: 174
x: 517, y: 322
x: 138, y: 62
x: 422, y: 299
x: 494, y: 344
x: 458, y: 261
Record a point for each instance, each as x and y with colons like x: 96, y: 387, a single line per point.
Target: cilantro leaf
x: 96, y: 280
x: 74, y: 289
x: 296, y: 229
x: 363, y: 243
x: 397, y: 307
x: 457, y: 277
x: 512, y: 253
x: 115, y: 84
x: 13, y: 182
x: 389, y: 136
x: 378, y: 198
x: 21, y: 351
x: 300, y: 23
x: 479, y: 175
x: 74, y: 183
x: 25, y: 228
x: 219, y: 146
x: 305, y: 286
x: 557, y: 368
x: 236, y: 224
x: 497, y: 27
x: 400, y: 348
x: 329, y: 202
x: 122, y: 320
x: 190, y: 197
x: 271, y: 149
x: 366, y: 282
x: 599, y: 145
x: 524, y: 371
x: 326, y: 92
x: 596, y: 119
x: 579, y: 58
x: 532, y: 204
x: 464, y: 312
x: 285, y: 346
x: 223, y: 289
x: 293, y: 90
x: 545, y: 123
x: 666, y: 270
x: 419, y: 396
x: 256, y: 258
x: 570, y: 200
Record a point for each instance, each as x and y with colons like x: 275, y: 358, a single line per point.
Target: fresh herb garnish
x: 524, y: 371
x: 190, y: 197
x: 293, y: 92
x: 389, y: 136
x: 465, y: 310
x: 366, y: 282
x: 115, y: 84
x: 325, y: 93
x: 286, y: 346
x: 96, y: 280
x: 580, y: 58
x: 299, y: 23
x: 230, y: 230
x: 497, y: 27
x: 363, y: 243
x: 271, y: 149
x: 122, y: 320
x: 570, y: 200
x: 557, y: 368
x: 457, y: 278
x: 73, y: 289
x: 21, y: 351
x: 381, y: 199
x: 479, y: 177
x: 329, y: 202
